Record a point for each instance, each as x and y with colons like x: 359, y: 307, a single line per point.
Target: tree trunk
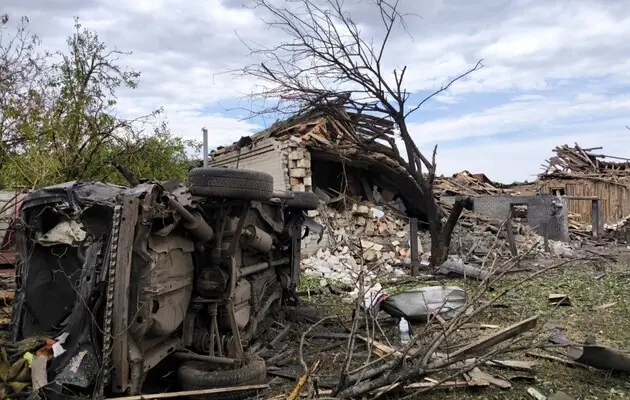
x: 441, y: 233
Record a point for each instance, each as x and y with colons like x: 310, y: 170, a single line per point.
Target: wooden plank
x: 188, y: 393
x: 380, y: 349
x: 486, y: 342
x: 510, y: 236
x: 559, y: 299
x: 444, y: 385
x: 517, y: 365
x: 120, y: 349
x: 368, y: 191
x: 477, y: 374
x: 549, y: 357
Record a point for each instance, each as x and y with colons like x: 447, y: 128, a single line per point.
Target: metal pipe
x: 193, y: 222
x: 204, y: 132
x: 187, y: 215
x: 188, y: 355
x: 252, y: 269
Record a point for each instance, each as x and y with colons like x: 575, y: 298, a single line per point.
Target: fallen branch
x: 488, y: 341
x: 302, y: 381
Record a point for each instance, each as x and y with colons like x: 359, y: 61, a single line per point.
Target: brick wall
x: 550, y: 213
x: 289, y: 162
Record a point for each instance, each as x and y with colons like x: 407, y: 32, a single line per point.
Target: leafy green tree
x: 22, y: 66
x: 68, y: 129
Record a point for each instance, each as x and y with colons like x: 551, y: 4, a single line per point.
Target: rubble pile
x: 364, y: 238
x: 466, y: 184
x: 479, y: 238
x: 583, y: 162
x: 376, y: 240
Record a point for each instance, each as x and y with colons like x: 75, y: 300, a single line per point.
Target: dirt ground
x: 588, y: 286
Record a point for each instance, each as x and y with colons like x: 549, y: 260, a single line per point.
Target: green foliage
x: 62, y: 123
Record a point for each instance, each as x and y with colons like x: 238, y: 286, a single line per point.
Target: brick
x: 295, y: 155
x: 308, y: 181
x: 297, y: 173
x: 296, y: 181
x: 298, y: 188
x: 303, y: 163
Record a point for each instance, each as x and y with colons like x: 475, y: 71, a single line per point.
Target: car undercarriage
x: 123, y: 278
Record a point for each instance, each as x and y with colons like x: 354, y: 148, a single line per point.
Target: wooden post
x: 510, y: 235
x: 413, y: 237
x: 596, y: 218
x: 546, y: 236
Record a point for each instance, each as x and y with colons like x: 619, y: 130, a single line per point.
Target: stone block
x: 297, y: 172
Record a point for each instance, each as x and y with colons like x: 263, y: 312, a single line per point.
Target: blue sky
x: 556, y: 72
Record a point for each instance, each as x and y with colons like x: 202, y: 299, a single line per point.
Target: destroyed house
x: 589, y: 182
x: 323, y: 150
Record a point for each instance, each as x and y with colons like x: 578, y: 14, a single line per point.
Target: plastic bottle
x: 403, y: 325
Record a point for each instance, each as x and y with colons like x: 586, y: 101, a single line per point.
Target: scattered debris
x: 479, y: 375
x: 558, y: 299
x: 536, y: 394
x: 455, y: 265
x: 593, y: 355
x: 480, y: 345
x: 561, y: 396
x: 604, y: 306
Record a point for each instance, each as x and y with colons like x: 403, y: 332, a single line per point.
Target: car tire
x: 231, y: 183
x: 304, y: 201
x: 198, y: 375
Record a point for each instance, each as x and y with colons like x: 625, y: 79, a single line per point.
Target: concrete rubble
x: 375, y: 239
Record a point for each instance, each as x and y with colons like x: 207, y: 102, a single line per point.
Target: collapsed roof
x: 366, y: 142
x: 580, y: 162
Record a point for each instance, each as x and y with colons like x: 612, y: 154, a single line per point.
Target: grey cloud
x: 180, y: 47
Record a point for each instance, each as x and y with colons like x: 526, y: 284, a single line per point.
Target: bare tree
x: 325, y: 58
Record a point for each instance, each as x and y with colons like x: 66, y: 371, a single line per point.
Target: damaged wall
x: 288, y: 161
x: 543, y: 212
x: 615, y: 197
x: 265, y: 155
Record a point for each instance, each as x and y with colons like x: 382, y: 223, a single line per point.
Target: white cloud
x: 557, y: 64
x: 538, y: 115
x: 522, y: 160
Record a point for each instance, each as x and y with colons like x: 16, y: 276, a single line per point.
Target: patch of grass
x: 610, y: 326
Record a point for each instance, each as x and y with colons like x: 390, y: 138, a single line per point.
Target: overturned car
x: 125, y: 277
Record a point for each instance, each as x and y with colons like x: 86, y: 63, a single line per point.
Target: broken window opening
x: 558, y: 192
x: 519, y: 212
